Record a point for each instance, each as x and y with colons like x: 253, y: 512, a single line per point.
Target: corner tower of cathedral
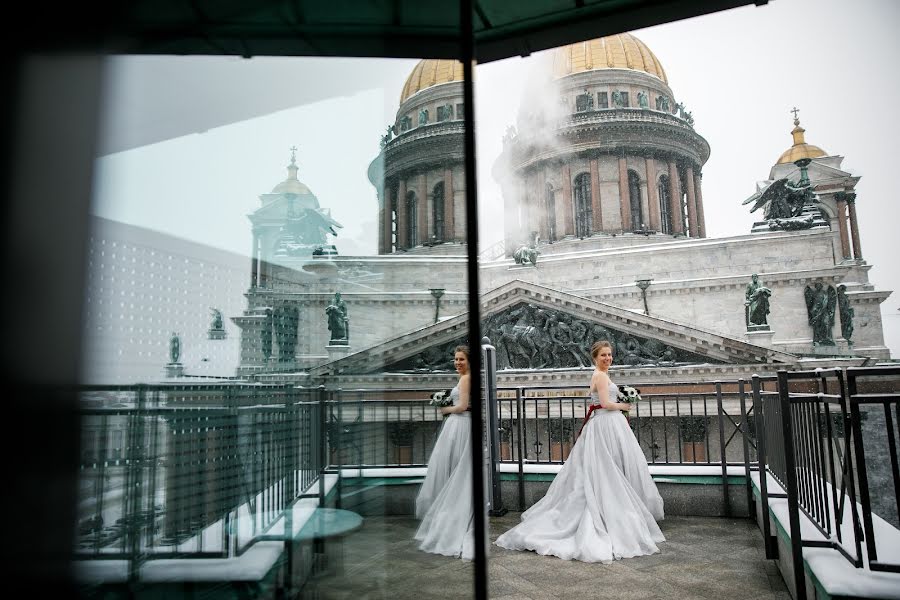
x: 608, y: 151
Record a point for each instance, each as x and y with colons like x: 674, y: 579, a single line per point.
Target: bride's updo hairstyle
x: 464, y: 349
x: 598, y: 346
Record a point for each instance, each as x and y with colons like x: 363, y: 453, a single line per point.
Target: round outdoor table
x: 326, y: 523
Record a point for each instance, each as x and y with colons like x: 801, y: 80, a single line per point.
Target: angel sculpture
x: 527, y: 254
x: 782, y: 199
x: 821, y: 302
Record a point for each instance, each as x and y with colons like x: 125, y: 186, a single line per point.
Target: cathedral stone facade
x: 604, y: 187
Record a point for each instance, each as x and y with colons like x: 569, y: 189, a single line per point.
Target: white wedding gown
x: 603, y: 504
x: 444, y: 503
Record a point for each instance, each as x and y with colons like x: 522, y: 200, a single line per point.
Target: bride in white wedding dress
x: 603, y: 504
x: 444, y: 503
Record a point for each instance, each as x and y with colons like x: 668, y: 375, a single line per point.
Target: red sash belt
x: 591, y: 409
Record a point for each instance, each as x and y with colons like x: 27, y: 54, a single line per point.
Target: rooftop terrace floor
x: 703, y: 558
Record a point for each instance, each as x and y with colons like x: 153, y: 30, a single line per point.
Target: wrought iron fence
x: 881, y: 430
x: 813, y: 442
x: 192, y: 470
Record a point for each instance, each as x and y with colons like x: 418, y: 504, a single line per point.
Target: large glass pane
x: 276, y: 288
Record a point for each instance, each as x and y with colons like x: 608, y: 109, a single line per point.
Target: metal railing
x: 193, y: 470
x: 812, y: 443
x: 675, y: 424
x: 884, y: 434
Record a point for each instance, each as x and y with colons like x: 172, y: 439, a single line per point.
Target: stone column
x: 422, y: 210
x: 597, y: 224
x: 701, y: 221
x: 254, y: 262
x: 386, y: 223
x: 854, y: 226
x: 841, y: 198
x: 624, y: 200
x: 543, y: 225
x: 675, y: 199
x: 691, y: 202
x: 652, y: 194
x: 381, y: 226
x: 449, y: 207
x: 567, y: 203
x: 402, y: 216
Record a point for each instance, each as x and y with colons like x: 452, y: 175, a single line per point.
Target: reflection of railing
x: 812, y: 447
x: 493, y: 252
x: 192, y: 470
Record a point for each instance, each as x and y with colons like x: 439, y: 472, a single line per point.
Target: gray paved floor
x: 703, y: 558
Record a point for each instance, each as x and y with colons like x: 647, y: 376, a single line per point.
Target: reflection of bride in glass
x: 444, y: 503
x: 603, y: 504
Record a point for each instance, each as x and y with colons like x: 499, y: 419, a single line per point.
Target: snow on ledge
x: 657, y: 470
x: 834, y: 572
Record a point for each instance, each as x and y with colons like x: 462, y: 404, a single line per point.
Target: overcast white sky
x: 739, y: 72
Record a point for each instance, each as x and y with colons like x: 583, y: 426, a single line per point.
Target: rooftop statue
x: 336, y: 312
x: 527, y: 253
x: 821, y: 302
x: 643, y: 102
x: 780, y: 200
x: 846, y: 312
x: 174, y: 348
x: 756, y: 299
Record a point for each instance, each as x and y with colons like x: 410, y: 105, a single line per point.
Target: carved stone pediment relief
x: 534, y: 327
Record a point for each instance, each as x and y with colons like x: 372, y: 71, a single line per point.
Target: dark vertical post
x: 762, y: 422
x: 467, y: 37
x: 790, y: 485
x: 520, y: 437
x: 745, y: 426
x: 490, y: 396
x: 321, y: 450
x: 722, y: 457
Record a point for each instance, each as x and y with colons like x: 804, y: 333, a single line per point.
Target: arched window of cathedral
x: 634, y: 198
x: 438, y: 210
x: 412, y: 219
x: 583, y: 210
x: 602, y: 100
x: 665, y: 212
x: 550, y: 213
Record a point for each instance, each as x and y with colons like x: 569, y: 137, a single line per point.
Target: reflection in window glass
x: 252, y: 276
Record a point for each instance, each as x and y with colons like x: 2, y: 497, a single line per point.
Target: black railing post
x: 321, y: 450
x: 722, y: 456
x: 339, y: 401
x: 490, y: 397
x: 762, y: 423
x: 520, y: 424
x: 745, y: 425
x: 790, y: 485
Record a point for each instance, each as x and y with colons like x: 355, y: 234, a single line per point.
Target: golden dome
x: 621, y: 51
x: 800, y: 149
x: 292, y: 185
x: 431, y: 72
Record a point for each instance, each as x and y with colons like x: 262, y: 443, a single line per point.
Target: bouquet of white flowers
x: 629, y: 395
x: 441, y: 399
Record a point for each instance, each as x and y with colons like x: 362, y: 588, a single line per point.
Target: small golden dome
x: 431, y: 72
x: 621, y: 51
x: 800, y: 149
x: 292, y: 185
